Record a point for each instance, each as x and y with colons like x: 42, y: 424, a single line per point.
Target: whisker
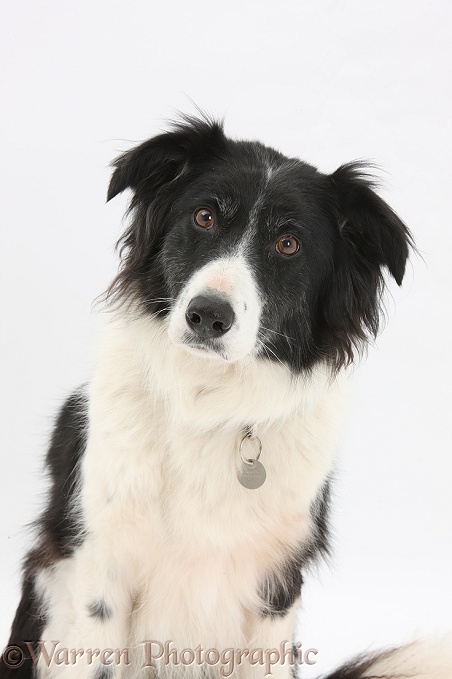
x: 278, y: 333
x: 161, y: 299
x: 267, y: 349
x: 161, y: 311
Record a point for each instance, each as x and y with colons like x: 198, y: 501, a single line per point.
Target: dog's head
x: 243, y: 251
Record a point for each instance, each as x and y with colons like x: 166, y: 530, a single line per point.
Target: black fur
x: 356, y: 668
x: 282, y: 588
x: 105, y: 672
x: 58, y: 524
x: 58, y: 529
x: 327, y: 296
x: 100, y: 610
x: 320, y: 515
x: 28, y: 625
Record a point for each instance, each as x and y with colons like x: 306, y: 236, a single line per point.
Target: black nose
x: 209, y: 316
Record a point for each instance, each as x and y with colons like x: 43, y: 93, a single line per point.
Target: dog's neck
x: 208, y: 393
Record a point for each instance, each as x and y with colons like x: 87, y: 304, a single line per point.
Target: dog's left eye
x: 288, y: 246
x: 204, y: 218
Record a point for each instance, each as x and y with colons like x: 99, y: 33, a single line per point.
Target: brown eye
x: 288, y: 245
x: 204, y: 218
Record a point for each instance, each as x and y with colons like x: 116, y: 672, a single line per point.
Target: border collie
x: 191, y: 477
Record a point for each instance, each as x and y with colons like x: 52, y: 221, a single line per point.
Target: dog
x: 191, y: 478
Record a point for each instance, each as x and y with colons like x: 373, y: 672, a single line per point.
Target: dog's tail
x: 418, y: 660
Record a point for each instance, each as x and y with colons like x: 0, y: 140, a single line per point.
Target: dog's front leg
x: 270, y: 645
x: 87, y: 599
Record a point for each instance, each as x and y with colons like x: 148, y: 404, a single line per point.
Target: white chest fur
x: 160, y: 470
x: 181, y: 546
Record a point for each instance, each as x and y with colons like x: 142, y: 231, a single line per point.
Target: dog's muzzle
x: 217, y: 312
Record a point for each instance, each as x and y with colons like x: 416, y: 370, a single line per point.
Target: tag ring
x: 248, y: 460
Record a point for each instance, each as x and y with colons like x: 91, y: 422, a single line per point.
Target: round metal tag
x: 252, y: 474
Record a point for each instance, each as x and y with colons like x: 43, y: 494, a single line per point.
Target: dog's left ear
x: 371, y: 229
x: 370, y: 236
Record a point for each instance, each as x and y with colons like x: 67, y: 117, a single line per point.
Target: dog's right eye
x: 204, y: 218
x: 288, y: 245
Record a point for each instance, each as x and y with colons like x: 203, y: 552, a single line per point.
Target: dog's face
x: 243, y: 251
x: 243, y: 244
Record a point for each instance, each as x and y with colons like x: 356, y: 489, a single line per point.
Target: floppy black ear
x: 163, y: 158
x: 154, y: 162
x: 370, y: 236
x: 151, y: 170
x: 370, y: 227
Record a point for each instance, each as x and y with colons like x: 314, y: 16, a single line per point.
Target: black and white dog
x: 191, y: 476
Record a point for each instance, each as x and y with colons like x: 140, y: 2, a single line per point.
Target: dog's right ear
x: 162, y: 159
x: 149, y: 165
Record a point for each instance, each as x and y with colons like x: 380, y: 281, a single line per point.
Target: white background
x: 329, y: 81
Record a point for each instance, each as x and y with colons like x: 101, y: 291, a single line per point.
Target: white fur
x: 174, y: 544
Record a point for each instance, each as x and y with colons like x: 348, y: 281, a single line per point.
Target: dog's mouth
x: 207, y: 348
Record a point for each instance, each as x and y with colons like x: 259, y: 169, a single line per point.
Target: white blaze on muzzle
x: 218, y: 311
